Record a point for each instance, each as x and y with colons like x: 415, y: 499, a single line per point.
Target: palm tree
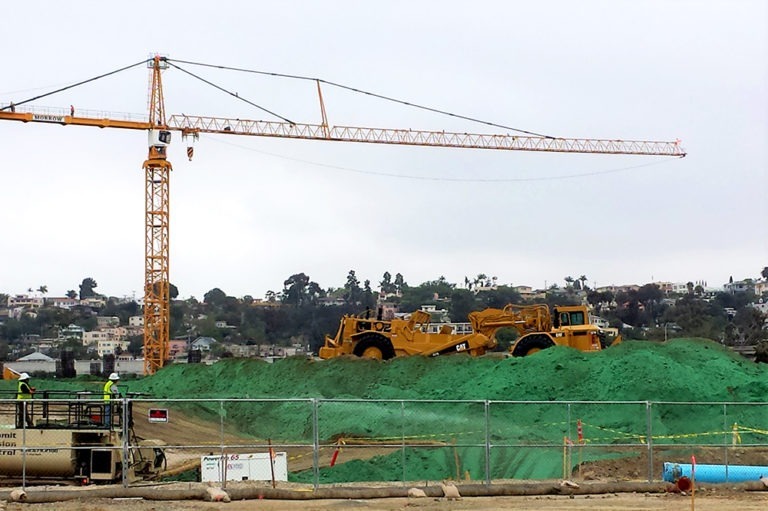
x: 43, y: 290
x: 569, y: 281
x: 583, y: 280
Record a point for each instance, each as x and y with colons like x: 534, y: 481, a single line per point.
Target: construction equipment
x: 538, y: 329
x: 157, y: 167
x: 64, y: 436
x: 384, y: 339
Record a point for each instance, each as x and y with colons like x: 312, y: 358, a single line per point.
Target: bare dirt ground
x: 185, y: 430
x: 665, y: 502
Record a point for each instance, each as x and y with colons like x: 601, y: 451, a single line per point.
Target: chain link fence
x: 313, y: 442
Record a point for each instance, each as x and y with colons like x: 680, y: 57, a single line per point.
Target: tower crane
x: 157, y: 170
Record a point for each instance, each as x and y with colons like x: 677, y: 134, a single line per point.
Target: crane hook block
x: 190, y: 152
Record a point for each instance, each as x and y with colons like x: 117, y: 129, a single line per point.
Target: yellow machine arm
x: 523, y: 318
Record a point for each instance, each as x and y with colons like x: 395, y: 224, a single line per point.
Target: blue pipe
x: 714, y: 473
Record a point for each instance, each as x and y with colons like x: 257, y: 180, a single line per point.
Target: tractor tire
x: 374, y: 346
x: 531, y: 344
x: 603, y: 340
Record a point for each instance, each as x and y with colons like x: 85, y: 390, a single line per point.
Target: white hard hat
x: 23, y: 376
x: 114, y: 376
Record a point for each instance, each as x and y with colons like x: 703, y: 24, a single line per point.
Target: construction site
x: 398, y: 412
x: 375, y: 428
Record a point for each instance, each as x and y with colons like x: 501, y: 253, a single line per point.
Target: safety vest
x: 24, y: 391
x: 108, y: 390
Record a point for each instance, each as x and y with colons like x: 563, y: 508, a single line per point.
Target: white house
x: 203, y: 343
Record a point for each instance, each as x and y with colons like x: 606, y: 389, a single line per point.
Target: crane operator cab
x: 158, y: 141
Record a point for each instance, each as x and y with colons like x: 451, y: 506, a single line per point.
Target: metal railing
x: 324, y: 441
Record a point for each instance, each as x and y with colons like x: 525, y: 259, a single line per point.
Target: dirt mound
x: 677, y: 371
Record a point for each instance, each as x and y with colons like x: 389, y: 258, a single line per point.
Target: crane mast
x: 157, y: 171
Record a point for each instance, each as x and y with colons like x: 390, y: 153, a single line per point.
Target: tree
x: 295, y: 289
x: 689, y: 286
x: 500, y: 297
x: 87, y: 288
x: 462, y: 303
x: 764, y: 273
x: 569, y: 282
x: 136, y: 345
x: 314, y: 293
x: 72, y: 294
x: 215, y: 297
x: 387, y: 286
x: 747, y: 327
x: 352, y: 291
x: 369, y: 300
x: 400, y: 283
x: 583, y: 280
x: 696, y: 317
x: 43, y: 290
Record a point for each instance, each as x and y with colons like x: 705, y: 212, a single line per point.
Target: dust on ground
x: 744, y: 501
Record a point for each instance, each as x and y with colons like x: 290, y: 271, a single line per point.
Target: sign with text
x: 158, y: 415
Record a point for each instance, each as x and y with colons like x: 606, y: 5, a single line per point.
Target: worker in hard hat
x: 110, y: 392
x: 24, y: 395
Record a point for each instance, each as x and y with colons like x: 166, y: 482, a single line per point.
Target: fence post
x: 402, y: 436
x: 725, y: 442
x: 315, y: 443
x: 649, y: 440
x: 222, y: 457
x: 24, y: 448
x: 126, y: 441
x: 487, y: 442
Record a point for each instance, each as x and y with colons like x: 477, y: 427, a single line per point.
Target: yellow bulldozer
x: 366, y: 337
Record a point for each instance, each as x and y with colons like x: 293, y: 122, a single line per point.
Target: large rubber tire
x: 531, y: 344
x: 603, y: 340
x: 374, y: 346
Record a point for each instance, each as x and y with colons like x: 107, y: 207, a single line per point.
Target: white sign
x: 243, y: 467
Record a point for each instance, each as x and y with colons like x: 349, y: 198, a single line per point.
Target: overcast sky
x: 249, y: 212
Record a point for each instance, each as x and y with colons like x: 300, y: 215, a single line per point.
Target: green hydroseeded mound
x: 678, y: 370
x: 681, y: 370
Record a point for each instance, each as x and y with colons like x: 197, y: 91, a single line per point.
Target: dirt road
x: 753, y: 501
